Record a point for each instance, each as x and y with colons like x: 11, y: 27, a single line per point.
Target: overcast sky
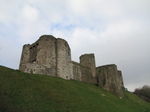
x: 116, y: 31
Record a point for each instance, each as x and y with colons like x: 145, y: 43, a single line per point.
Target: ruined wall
x: 25, y: 57
x: 52, y: 56
x: 76, y: 67
x: 48, y: 55
x: 40, y: 56
x: 82, y: 73
x: 89, y: 61
x: 87, y: 75
x: 120, y: 81
x: 108, y: 78
x: 35, y: 69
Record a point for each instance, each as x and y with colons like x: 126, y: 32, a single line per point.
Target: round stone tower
x: 89, y: 61
x: 63, y: 52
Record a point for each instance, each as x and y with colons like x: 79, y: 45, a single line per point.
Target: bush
x: 143, y: 92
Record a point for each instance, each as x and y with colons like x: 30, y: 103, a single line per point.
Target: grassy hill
x: 22, y: 92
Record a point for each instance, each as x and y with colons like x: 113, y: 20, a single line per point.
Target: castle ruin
x: 52, y: 56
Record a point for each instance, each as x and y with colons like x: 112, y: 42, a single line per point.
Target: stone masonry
x: 110, y: 79
x: 52, y: 56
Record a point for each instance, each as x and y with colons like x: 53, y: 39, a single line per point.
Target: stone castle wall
x: 77, y: 74
x: 110, y: 79
x: 82, y: 73
x: 52, y: 56
x: 63, y: 59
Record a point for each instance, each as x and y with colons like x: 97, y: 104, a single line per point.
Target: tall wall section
x: 64, y: 68
x: 109, y: 79
x: 25, y: 57
x: 120, y: 80
x: 76, y: 69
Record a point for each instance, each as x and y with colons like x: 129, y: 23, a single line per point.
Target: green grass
x: 22, y: 92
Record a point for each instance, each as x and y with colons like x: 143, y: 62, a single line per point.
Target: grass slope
x: 22, y: 92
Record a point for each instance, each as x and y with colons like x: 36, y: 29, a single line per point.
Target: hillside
x: 22, y: 92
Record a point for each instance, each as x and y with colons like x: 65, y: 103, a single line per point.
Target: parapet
x: 44, y: 37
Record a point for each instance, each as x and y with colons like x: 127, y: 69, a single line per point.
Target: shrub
x: 143, y: 92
